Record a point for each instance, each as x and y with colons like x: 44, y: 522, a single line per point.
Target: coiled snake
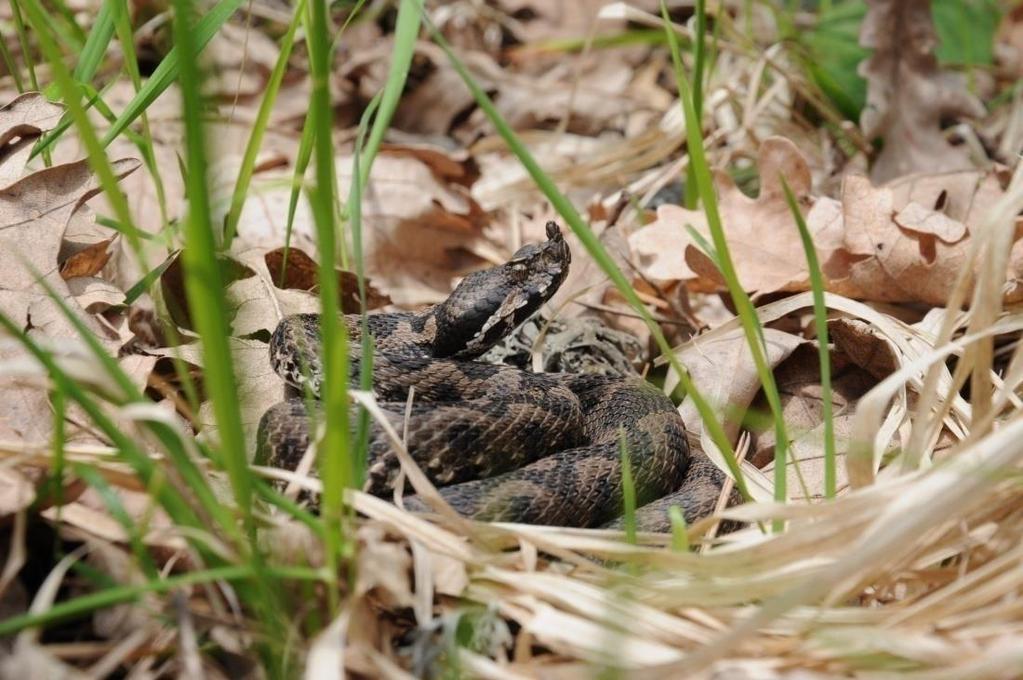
x: 501, y: 443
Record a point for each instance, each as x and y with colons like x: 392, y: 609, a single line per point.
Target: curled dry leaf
x: 902, y: 242
x: 418, y: 230
x: 298, y: 271
x: 908, y: 241
x: 761, y: 233
x: 865, y: 346
x: 34, y: 213
x: 260, y: 301
x: 723, y: 368
x: 799, y: 386
x: 908, y: 96
x: 22, y: 121
x: 88, y: 261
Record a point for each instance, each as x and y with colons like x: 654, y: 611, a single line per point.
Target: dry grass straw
x: 916, y: 570
x: 749, y: 97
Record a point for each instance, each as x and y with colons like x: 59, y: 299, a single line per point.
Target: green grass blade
x: 204, y: 288
x: 161, y: 78
x: 273, y: 86
x: 596, y: 250
x: 71, y: 94
x: 203, y: 279
x: 744, y: 306
x: 361, y: 448
x: 91, y: 56
x: 12, y: 67
x: 302, y: 159
x: 126, y: 37
x: 305, y: 151
x: 692, y: 194
x: 147, y: 281
x: 628, y: 491
x: 679, y: 530
x: 406, y: 32
x: 26, y: 52
x: 80, y: 606
x: 335, y: 448
x: 820, y: 318
x: 56, y: 483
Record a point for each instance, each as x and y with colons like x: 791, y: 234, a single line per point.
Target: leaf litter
x: 912, y: 569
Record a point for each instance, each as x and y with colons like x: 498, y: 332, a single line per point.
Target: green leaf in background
x: 966, y: 31
x: 835, y: 54
x: 965, y: 28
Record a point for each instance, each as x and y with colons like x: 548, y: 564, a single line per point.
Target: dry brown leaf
x: 799, y: 386
x: 34, y: 213
x: 418, y: 230
x: 901, y: 242
x: 908, y: 241
x: 259, y: 386
x: 727, y: 377
x: 298, y: 271
x: 22, y: 121
x: 94, y: 294
x: 88, y: 261
x: 865, y: 346
x: 908, y: 96
x: 457, y: 167
x: 259, y: 303
x: 761, y: 233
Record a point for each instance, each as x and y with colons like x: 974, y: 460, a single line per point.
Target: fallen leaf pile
x: 912, y: 199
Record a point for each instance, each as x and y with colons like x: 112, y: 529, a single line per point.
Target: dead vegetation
x: 913, y: 201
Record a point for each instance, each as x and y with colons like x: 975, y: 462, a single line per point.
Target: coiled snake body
x: 503, y: 444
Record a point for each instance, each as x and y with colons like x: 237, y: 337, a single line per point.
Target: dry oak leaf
x: 761, y: 233
x: 907, y: 241
x: 259, y: 303
x: 419, y: 231
x: 908, y: 96
x: 258, y: 385
x: 22, y: 121
x: 34, y: 213
x: 799, y: 386
x: 722, y: 365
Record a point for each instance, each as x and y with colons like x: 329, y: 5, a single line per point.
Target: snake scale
x: 502, y: 444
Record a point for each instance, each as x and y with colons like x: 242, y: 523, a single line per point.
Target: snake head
x: 489, y: 304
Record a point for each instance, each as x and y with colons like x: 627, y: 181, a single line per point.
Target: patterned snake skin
x: 501, y: 443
